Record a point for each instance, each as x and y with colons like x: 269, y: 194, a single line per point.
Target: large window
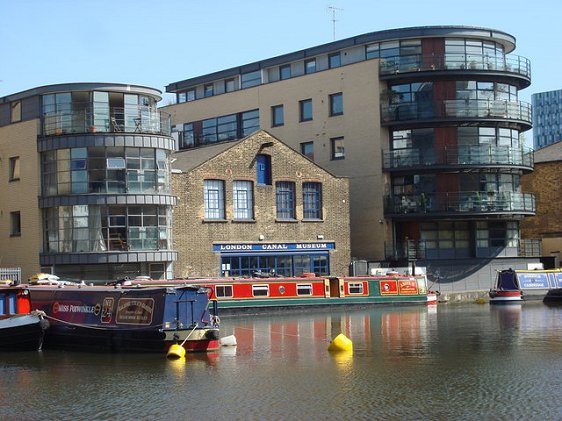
x: 88, y: 228
x: 214, y: 199
x: 473, y: 54
x: 312, y: 200
x: 336, y: 104
x: 334, y: 60
x: 208, y: 90
x: 276, y: 265
x: 277, y: 116
x: 250, y: 79
x: 310, y: 66
x: 305, y: 110
x: 105, y: 170
x: 250, y: 122
x: 285, y: 200
x: 285, y: 72
x: 242, y: 200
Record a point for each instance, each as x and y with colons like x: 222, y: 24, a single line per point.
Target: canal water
x: 445, y: 362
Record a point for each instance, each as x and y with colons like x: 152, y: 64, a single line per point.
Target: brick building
x: 257, y: 206
x: 545, y: 182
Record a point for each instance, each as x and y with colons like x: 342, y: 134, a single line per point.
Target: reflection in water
x: 446, y: 362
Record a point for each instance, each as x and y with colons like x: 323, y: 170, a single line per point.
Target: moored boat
x: 524, y: 285
x: 244, y: 294
x: 20, y: 328
x: 126, y: 319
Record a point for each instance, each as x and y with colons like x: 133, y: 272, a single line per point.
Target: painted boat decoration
x: 309, y: 290
x: 125, y: 319
x: 519, y: 285
x: 20, y: 328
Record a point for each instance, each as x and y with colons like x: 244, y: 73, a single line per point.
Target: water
x: 453, y: 362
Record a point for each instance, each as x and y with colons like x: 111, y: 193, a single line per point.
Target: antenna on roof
x: 334, y: 10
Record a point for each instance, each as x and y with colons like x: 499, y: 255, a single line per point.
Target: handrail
x: 484, y: 154
x: 138, y: 119
x: 456, y: 109
x: 461, y: 202
x: 510, y: 63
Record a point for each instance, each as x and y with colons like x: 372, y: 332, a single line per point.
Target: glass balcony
x: 467, y: 62
x: 132, y: 119
x: 455, y: 109
x: 475, y: 202
x: 469, y: 155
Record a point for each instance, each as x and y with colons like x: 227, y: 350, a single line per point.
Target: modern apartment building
x: 547, y: 118
x: 86, y: 189
x: 425, y: 122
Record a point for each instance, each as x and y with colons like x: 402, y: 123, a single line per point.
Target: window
x: 338, y: 151
x: 260, y: 290
x: 15, y: 224
x: 355, y: 287
x: 214, y: 199
x: 15, y: 111
x: 190, y: 95
x: 14, y: 168
x: 277, y: 118
x: 285, y: 72
x: 336, y: 104
x: 251, y: 79
x: 263, y: 169
x: 304, y: 289
x: 188, y: 138
x: 285, y: 200
x: 307, y: 149
x: 312, y: 200
x: 250, y: 122
x: 208, y: 90
x: 223, y: 291
x: 227, y: 127
x: 334, y: 60
x: 305, y: 110
x: 310, y: 66
x: 242, y: 200
x: 229, y: 85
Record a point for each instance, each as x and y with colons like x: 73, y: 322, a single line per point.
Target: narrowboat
x: 236, y: 294
x: 524, y: 285
x: 127, y: 319
x: 20, y: 328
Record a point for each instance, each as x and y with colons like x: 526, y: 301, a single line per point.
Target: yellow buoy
x: 176, y: 351
x: 341, y: 343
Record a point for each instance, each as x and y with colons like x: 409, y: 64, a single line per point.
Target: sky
x: 157, y: 42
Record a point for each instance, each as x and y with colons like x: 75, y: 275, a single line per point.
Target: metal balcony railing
x: 455, y: 109
x: 461, y: 202
x: 115, y: 120
x: 469, y: 155
x: 477, y: 62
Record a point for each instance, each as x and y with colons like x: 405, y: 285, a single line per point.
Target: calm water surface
x: 451, y: 362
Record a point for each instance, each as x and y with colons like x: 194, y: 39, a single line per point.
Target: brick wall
x: 193, y: 237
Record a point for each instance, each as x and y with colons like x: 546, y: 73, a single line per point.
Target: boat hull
x: 140, y: 319
x: 22, y: 333
x: 505, y: 297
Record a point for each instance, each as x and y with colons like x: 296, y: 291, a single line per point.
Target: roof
x: 189, y: 159
x: 550, y: 153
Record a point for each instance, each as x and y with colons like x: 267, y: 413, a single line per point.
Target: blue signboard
x: 533, y: 280
x: 273, y: 247
x: 558, y: 277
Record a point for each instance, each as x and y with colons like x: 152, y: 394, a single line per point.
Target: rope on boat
x: 187, y: 337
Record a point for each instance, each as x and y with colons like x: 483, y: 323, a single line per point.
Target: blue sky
x: 154, y: 43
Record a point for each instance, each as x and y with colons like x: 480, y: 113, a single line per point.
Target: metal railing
x: 114, y: 120
x: 467, y: 202
x: 457, y: 109
x: 469, y: 155
x: 477, y: 62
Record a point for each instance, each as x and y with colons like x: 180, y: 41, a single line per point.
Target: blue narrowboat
x: 127, y: 319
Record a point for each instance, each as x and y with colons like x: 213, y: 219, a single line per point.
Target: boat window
x: 260, y: 290
x: 2, y: 304
x: 304, y: 289
x: 355, y: 287
x: 223, y: 291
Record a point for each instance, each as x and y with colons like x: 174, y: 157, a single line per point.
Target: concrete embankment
x: 463, y: 296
